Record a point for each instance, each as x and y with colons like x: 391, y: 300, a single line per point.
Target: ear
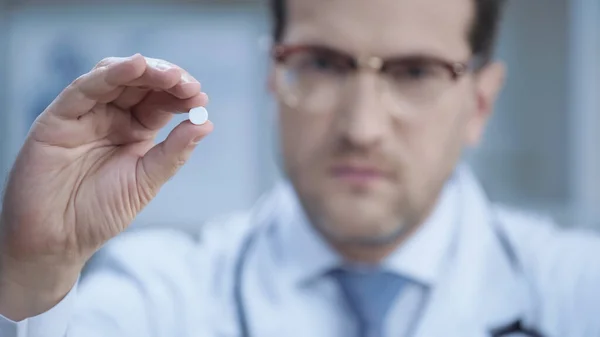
x: 488, y: 84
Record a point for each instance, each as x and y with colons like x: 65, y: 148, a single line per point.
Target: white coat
x: 501, y: 267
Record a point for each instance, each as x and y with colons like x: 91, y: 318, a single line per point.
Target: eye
x: 412, y: 72
x: 323, y: 63
x: 417, y: 72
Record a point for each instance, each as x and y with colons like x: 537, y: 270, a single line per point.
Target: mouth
x: 357, y: 174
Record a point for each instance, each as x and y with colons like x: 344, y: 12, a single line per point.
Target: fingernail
x: 187, y: 78
x: 164, y: 66
x: 159, y: 64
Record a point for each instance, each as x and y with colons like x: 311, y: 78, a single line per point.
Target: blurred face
x: 375, y: 108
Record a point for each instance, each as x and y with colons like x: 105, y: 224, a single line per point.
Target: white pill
x: 198, y: 115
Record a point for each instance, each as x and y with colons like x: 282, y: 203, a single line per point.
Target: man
x: 378, y: 232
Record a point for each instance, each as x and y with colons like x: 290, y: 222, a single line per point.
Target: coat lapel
x: 481, y: 288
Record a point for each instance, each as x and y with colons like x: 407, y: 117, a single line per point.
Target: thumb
x: 161, y: 163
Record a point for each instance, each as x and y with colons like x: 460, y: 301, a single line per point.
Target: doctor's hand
x: 88, y: 166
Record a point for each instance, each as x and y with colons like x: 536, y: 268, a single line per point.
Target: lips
x: 357, y: 174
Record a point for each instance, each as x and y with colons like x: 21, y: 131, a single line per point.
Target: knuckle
x: 177, y: 165
x: 180, y: 162
x: 145, y: 193
x: 79, y: 80
x: 105, y: 62
x: 176, y: 162
x: 146, y: 188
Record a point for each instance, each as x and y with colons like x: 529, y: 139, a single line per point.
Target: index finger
x: 110, y: 75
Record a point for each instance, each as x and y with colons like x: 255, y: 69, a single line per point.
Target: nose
x: 362, y: 121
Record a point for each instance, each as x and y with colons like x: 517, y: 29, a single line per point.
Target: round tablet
x: 198, y: 115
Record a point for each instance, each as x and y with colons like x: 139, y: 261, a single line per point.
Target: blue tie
x: 369, y: 295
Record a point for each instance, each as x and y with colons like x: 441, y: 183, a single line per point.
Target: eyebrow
x: 415, y: 56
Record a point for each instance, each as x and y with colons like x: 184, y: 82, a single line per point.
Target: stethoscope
x: 516, y: 328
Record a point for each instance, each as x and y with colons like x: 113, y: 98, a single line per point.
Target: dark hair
x: 482, y: 36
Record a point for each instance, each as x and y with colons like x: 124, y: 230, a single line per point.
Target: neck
x: 375, y: 251
x: 372, y: 253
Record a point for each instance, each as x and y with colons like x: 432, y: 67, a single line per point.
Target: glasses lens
x: 312, y: 80
x: 415, y: 83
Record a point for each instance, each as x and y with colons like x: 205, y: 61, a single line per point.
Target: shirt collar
x: 307, y: 255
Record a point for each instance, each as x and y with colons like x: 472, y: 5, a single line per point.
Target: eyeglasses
x: 317, y: 78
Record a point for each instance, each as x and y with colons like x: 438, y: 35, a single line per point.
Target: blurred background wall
x: 541, y: 150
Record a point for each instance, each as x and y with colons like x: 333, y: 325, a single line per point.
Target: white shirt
x: 161, y: 283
